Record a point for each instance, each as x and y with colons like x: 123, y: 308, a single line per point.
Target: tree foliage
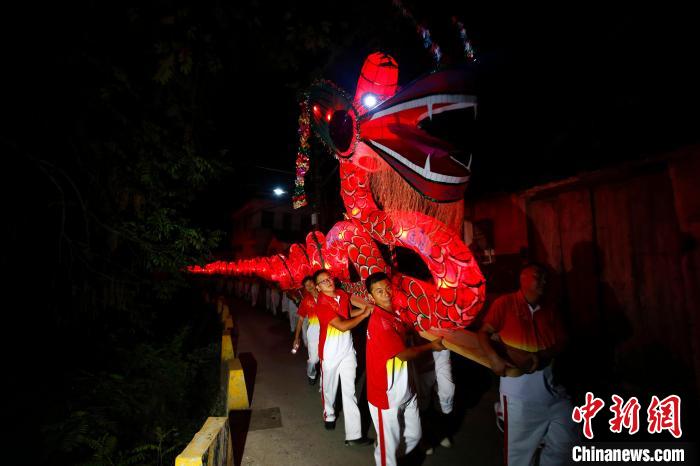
x: 124, y: 118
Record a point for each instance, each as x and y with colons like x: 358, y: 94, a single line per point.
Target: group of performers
x: 403, y: 187
x: 324, y: 320
x: 534, y: 412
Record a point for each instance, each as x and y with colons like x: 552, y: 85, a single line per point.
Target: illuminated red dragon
x: 401, y: 187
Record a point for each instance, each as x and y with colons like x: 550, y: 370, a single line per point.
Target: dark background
x: 562, y: 89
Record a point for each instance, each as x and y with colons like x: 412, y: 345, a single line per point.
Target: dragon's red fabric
x: 387, y: 137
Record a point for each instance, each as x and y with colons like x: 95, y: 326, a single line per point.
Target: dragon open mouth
x: 395, y: 131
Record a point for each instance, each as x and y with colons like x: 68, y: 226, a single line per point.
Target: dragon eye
x: 335, y: 122
x: 341, y: 129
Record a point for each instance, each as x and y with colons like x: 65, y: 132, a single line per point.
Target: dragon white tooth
x: 458, y: 162
x: 426, y: 168
x: 427, y: 174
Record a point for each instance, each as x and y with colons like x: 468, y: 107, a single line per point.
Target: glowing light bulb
x: 369, y: 100
x: 278, y: 191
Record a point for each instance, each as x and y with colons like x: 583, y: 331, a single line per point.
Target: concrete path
x: 284, y: 426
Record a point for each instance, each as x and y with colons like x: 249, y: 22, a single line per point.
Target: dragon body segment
x: 388, y: 143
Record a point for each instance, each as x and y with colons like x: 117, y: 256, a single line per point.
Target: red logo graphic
x: 587, y: 412
x: 661, y: 415
x: 626, y: 415
x: 665, y: 415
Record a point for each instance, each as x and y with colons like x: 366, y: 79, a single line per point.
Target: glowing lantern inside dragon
x: 378, y: 81
x: 369, y: 101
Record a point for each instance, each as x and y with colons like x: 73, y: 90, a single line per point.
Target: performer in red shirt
x: 308, y: 327
x: 535, y: 410
x: 338, y: 361
x: 390, y: 393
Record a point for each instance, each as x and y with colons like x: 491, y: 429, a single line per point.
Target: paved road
x: 295, y: 435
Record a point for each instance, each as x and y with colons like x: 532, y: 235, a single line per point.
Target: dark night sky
x: 561, y: 89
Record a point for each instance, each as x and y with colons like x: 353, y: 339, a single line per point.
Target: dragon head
x: 382, y: 129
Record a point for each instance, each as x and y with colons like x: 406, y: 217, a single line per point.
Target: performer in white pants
x: 536, y: 411
x: 308, y: 326
x: 338, y: 361
x: 443, y: 380
x: 305, y: 324
x: 534, y: 417
x: 292, y: 310
x: 284, y: 303
x: 274, y: 300
x: 434, y: 373
x: 392, y: 402
x: 399, y: 431
x: 254, y: 291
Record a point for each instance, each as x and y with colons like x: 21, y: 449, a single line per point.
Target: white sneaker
x: 446, y: 442
x: 429, y: 451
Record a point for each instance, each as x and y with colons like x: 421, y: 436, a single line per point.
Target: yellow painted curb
x: 225, y: 312
x: 228, y: 323
x: 227, y: 346
x: 236, y: 392
x: 212, y: 442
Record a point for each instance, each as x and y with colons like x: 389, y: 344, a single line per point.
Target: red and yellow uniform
x: 333, y: 343
x: 338, y: 362
x: 387, y: 375
x: 307, y: 310
x: 391, y: 398
x: 535, y: 410
x: 522, y: 326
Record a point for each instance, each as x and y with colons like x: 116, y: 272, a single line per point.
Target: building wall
x: 623, y: 244
x: 507, y: 211
x: 266, y: 226
x: 685, y: 173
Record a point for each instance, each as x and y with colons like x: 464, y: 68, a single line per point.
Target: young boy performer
x: 338, y: 361
x: 391, y: 397
x: 308, y: 319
